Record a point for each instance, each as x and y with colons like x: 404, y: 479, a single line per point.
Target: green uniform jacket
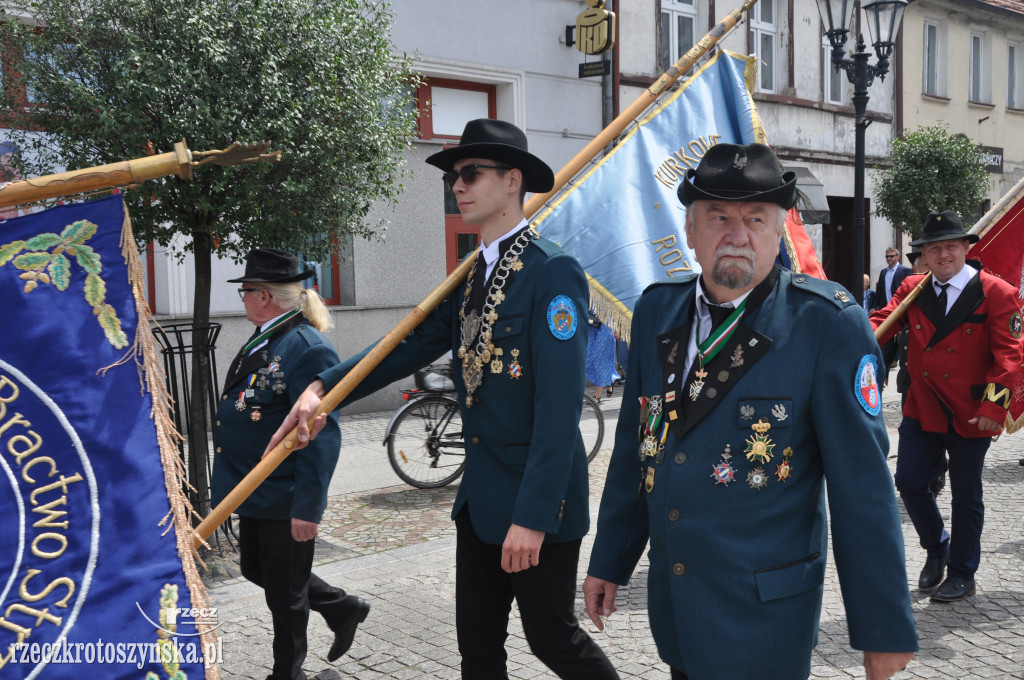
x: 298, y: 487
x: 525, y: 462
x: 737, y: 567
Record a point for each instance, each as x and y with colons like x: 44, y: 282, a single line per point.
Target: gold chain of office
x: 477, y: 328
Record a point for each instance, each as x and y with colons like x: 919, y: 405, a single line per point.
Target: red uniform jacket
x: 963, y: 364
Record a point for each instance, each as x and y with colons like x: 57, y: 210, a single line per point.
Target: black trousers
x: 546, y: 596
x: 283, y: 567
x: 678, y: 675
x: 919, y: 460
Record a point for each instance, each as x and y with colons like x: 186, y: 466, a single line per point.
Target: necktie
x: 476, y: 290
x: 719, y: 314
x: 943, y: 298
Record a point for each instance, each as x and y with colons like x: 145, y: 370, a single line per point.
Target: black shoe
x: 954, y: 588
x: 346, y: 632
x: 931, y: 574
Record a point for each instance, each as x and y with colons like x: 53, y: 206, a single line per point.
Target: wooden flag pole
x: 178, y: 162
x: 902, y: 307
x: 330, y: 401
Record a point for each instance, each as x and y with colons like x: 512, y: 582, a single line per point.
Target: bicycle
x: 424, y: 438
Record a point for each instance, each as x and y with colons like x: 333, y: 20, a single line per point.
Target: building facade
x: 962, y: 63
x: 804, y: 102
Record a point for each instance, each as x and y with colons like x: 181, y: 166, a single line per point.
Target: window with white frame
x: 678, y: 30
x: 979, y: 88
x: 1013, y: 75
x: 933, y: 58
x: 764, y: 32
x: 833, y: 79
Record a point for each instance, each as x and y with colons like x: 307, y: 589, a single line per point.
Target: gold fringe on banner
x: 151, y: 374
x: 609, y: 309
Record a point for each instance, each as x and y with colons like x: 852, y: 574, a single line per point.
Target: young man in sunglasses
x: 518, y: 328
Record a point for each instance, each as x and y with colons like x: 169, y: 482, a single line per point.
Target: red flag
x: 798, y: 247
x: 1001, y: 251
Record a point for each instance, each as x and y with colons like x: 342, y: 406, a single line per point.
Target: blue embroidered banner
x: 622, y: 219
x: 90, y: 584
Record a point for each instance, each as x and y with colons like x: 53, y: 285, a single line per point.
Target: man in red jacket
x: 964, y: 349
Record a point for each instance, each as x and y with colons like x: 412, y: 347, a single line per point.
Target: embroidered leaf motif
x: 10, y: 250
x: 95, y: 290
x: 78, y: 232
x: 42, y: 242
x: 111, y: 326
x: 46, y: 266
x: 31, y: 261
x: 60, y: 273
x: 88, y: 259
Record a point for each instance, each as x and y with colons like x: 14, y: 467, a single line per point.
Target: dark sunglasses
x: 889, y: 257
x: 468, y: 173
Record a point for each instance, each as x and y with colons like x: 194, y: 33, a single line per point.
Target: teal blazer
x: 525, y: 461
x: 736, y: 568
x: 298, y: 487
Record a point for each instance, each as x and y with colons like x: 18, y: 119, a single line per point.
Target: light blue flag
x: 622, y: 219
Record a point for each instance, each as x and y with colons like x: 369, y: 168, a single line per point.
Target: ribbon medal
x: 712, y: 345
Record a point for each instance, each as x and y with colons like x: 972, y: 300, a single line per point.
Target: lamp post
x: 884, y: 17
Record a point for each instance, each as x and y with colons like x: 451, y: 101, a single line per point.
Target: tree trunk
x: 199, y: 404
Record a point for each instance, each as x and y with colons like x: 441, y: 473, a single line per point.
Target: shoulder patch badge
x: 866, y: 385
x: 1015, y: 325
x: 562, y: 317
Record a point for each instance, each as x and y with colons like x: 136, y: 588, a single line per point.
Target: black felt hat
x: 502, y: 142
x: 270, y: 265
x: 734, y: 172
x: 915, y: 252
x: 943, y: 226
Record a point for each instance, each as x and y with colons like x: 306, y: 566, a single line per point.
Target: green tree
x: 109, y: 80
x: 931, y: 170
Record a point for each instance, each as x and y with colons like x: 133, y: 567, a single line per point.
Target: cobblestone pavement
x: 395, y: 546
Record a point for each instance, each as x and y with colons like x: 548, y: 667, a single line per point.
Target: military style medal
x: 784, y: 470
x: 759, y: 445
x: 697, y: 385
x: 757, y: 479
x: 723, y: 472
x: 496, y: 363
x: 649, y: 479
x: 256, y: 416
x: 515, y: 369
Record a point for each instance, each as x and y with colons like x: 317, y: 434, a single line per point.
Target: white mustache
x: 736, y: 251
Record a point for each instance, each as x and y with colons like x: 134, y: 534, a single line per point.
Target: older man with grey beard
x: 747, y: 387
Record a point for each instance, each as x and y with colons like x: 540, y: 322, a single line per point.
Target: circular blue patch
x: 865, y: 385
x: 562, y: 317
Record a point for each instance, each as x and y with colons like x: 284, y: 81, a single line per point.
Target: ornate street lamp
x: 884, y: 17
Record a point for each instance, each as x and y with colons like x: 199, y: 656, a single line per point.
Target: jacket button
x: 925, y: 374
x: 475, y: 440
x: 559, y: 515
x: 680, y: 458
x: 218, y: 423
x: 218, y: 449
x: 678, y: 569
x: 917, y: 327
x: 799, y: 279
x: 945, y: 376
x: 673, y: 514
x: 508, y: 329
x: 949, y: 349
x: 927, y: 349
x: 969, y: 331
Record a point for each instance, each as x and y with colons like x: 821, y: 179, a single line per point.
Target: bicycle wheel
x: 591, y: 427
x: 426, y: 448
